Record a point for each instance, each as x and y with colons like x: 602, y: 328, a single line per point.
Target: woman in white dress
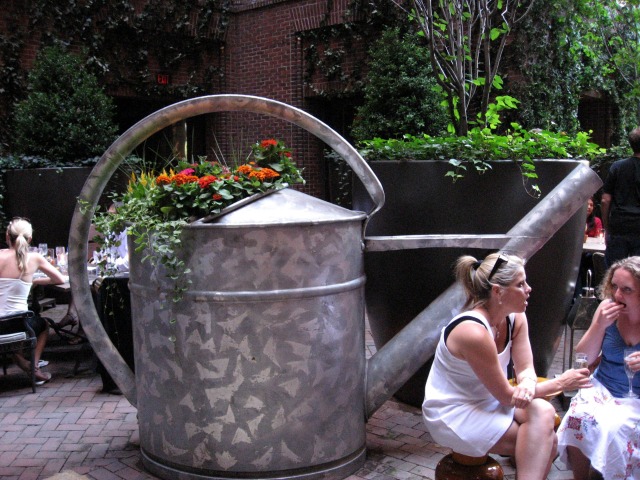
x: 17, y: 266
x: 601, y: 429
x: 469, y: 404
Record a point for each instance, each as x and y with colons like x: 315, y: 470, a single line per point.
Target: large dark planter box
x: 48, y: 196
x: 421, y: 200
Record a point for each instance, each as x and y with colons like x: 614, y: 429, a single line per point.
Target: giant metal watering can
x: 260, y: 370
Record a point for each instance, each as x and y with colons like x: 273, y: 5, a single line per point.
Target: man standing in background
x: 620, y: 205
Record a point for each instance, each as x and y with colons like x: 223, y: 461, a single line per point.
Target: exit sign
x: 163, y: 79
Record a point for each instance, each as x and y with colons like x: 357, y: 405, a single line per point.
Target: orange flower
x: 181, y: 179
x: 244, y: 169
x: 268, y: 173
x: 207, y: 180
x: 163, y: 180
x: 264, y: 174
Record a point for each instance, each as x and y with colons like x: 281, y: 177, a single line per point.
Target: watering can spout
x: 415, y: 344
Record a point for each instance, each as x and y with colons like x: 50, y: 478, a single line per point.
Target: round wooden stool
x: 456, y: 466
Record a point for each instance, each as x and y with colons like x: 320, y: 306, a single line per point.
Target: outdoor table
x: 593, y: 245
x: 113, y: 304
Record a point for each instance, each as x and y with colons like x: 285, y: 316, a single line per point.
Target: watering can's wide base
x: 337, y: 470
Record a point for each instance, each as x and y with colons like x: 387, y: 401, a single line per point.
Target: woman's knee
x: 543, y: 410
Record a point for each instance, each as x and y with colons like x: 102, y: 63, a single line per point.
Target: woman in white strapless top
x: 17, y: 266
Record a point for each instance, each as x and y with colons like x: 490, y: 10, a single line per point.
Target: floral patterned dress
x: 605, y: 428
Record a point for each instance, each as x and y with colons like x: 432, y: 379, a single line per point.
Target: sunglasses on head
x: 15, y: 219
x: 501, y: 260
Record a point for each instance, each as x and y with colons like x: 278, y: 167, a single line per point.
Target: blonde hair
x: 630, y: 264
x: 477, y: 277
x: 19, y: 233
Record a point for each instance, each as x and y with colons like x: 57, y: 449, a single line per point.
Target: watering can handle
x: 124, y: 145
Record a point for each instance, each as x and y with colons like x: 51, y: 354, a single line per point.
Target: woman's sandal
x: 68, y: 319
x: 42, y: 377
x: 67, y: 334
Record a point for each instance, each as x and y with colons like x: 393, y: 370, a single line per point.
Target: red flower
x: 216, y: 196
x: 207, y: 180
x: 268, y: 143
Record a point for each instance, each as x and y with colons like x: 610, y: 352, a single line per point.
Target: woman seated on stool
x: 469, y: 404
x: 601, y: 427
x: 17, y: 266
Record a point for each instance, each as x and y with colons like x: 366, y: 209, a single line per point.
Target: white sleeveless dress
x: 458, y: 410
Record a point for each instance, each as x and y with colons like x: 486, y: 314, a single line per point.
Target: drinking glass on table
x: 61, y: 258
x: 43, y: 249
x: 629, y: 372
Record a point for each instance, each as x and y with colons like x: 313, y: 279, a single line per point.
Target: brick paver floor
x: 69, y: 425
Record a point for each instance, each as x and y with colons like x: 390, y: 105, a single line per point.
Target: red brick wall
x: 262, y: 55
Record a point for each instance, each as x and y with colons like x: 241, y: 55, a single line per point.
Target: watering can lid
x: 286, y: 206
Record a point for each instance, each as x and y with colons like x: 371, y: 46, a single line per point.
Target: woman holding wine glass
x: 600, y: 429
x: 470, y: 406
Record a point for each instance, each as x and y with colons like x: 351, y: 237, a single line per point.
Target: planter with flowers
x: 156, y: 209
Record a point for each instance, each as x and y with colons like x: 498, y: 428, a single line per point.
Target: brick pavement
x: 70, y: 426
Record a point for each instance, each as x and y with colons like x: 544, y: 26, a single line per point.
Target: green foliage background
x: 66, y: 116
x: 400, y: 95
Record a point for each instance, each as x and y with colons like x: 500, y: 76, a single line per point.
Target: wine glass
x: 630, y: 374
x: 61, y: 258
x: 581, y: 361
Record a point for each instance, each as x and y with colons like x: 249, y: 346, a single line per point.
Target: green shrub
x: 66, y: 116
x: 481, y: 146
x: 400, y: 92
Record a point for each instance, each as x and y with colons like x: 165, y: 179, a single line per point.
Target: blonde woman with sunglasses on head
x: 469, y: 404
x: 17, y: 266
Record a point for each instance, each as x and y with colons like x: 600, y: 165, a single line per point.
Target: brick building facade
x: 254, y: 48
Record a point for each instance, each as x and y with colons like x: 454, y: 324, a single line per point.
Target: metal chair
x: 599, y: 267
x: 16, y: 335
x: 579, y: 318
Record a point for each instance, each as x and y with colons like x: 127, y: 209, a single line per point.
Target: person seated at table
x: 601, y: 428
x: 594, y: 224
x: 116, y: 257
x: 592, y: 229
x: 17, y: 266
x: 469, y: 404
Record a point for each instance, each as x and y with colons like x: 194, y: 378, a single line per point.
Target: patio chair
x: 16, y: 335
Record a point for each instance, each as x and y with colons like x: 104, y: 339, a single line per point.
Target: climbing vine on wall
x: 123, y: 43
x: 330, y: 51
x: 555, y: 56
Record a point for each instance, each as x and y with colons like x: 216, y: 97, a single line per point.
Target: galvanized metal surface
x: 260, y: 368
x: 124, y: 145
x: 266, y: 380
